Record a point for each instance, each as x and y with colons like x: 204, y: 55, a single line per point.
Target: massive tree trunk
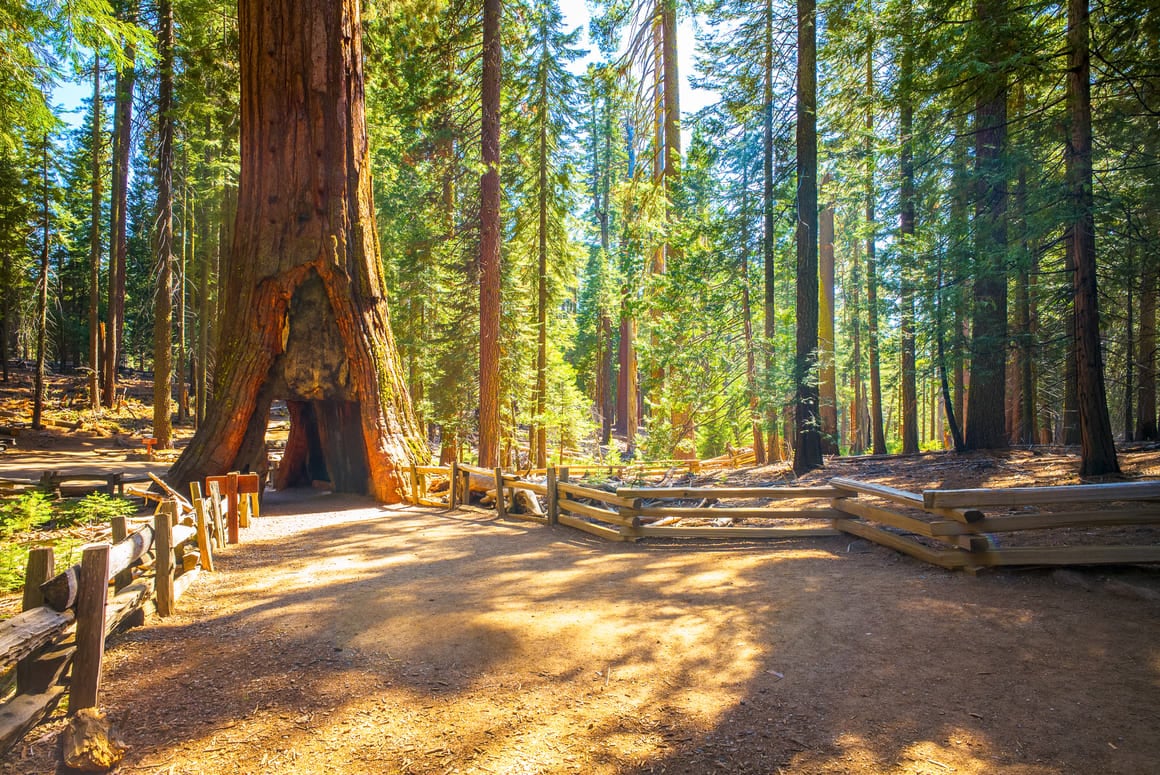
x: 1097, y: 450
x: 808, y: 446
x: 986, y: 402
x: 1146, y: 356
x: 163, y: 301
x: 489, y: 268
x: 119, y: 220
x: 95, y: 248
x: 305, y: 313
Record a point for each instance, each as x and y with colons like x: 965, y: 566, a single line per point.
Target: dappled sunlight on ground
x: 364, y: 639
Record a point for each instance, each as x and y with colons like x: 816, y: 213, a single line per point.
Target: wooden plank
x: 163, y: 532
x: 596, y: 530
x: 683, y: 512
x: 39, y: 568
x: 183, y: 582
x: 1068, y: 555
x: 885, y: 516
x: 443, y: 470
x: 597, y: 495
x: 604, y: 515
x: 203, y: 543
x: 23, y: 712
x: 1048, y: 521
x: 233, y: 519
x: 1032, y: 496
x: 215, y: 510
x: 92, y: 601
x: 28, y: 631
x: 185, y: 505
x: 731, y: 492
x: 553, y: 494
x: 520, y: 484
x: 914, y: 500
x: 673, y: 531
x: 944, y: 558
x: 124, y: 604
x: 500, y: 502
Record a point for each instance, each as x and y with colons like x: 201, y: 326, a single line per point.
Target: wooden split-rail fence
x: 56, y: 644
x: 969, y: 529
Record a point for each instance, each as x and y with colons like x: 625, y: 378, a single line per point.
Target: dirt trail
x: 347, y: 637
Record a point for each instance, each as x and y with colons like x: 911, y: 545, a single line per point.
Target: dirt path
x: 365, y: 639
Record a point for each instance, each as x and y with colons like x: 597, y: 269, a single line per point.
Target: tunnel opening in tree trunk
x: 324, y: 445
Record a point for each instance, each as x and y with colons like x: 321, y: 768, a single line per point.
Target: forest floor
x: 349, y: 637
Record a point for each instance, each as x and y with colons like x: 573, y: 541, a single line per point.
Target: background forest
x: 656, y: 276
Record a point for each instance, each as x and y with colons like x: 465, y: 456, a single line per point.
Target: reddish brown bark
x: 305, y: 316
x: 1097, y: 450
x: 489, y: 267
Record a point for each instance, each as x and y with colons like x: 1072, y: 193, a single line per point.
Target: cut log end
x: 90, y: 744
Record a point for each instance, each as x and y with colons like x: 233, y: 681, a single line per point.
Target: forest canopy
x: 896, y: 225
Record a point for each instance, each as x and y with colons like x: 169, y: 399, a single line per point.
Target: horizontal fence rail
x: 954, y: 529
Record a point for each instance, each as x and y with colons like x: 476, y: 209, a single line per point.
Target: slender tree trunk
x: 188, y: 244
x: 118, y: 243
x: 490, y: 276
x: 38, y: 388
x: 827, y: 373
x: 768, y: 254
x: 540, y: 450
x: 1129, y: 352
x: 858, y: 414
x: 204, y: 303
x: 988, y: 395
x: 877, y: 427
x: 304, y: 308
x: 906, y: 232
x: 627, y: 397
x: 163, y: 301
x: 808, y: 447
x: 95, y: 248
x: 747, y: 321
x: 1097, y: 449
x: 1146, y: 358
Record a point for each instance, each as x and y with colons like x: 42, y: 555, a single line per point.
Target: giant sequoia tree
x: 305, y: 315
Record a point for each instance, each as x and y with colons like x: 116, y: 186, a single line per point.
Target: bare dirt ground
x: 347, y: 637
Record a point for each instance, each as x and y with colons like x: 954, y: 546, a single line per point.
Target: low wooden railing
x: 67, y: 617
x: 948, y: 528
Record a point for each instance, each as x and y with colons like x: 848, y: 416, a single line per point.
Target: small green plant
x: 28, y: 511
x: 96, y: 507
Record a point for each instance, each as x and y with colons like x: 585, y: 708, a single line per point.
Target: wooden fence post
x: 163, y: 544
x: 454, y: 502
x: 92, y: 596
x: 120, y: 533
x: 203, y: 544
x: 232, y: 507
x: 500, y: 506
x: 40, y: 568
x: 553, y: 498
x: 414, y: 484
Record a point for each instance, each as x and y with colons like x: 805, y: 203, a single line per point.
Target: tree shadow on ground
x: 405, y: 640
